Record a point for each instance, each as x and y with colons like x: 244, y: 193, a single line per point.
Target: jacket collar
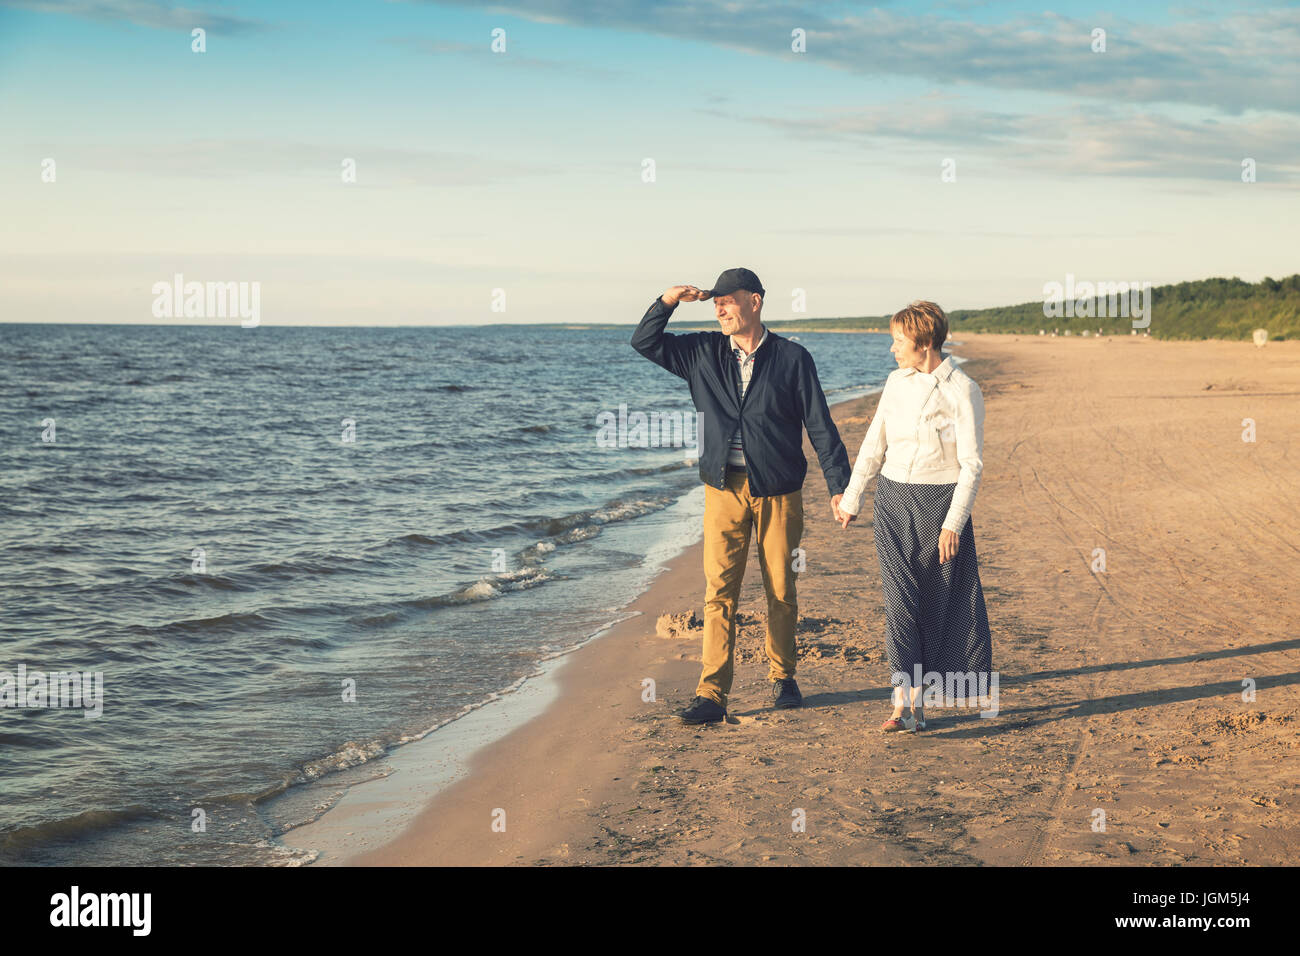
x: 943, y: 371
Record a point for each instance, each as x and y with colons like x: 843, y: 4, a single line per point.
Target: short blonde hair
x: 924, y: 323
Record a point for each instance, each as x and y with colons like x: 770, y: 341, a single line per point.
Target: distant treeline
x: 1205, y: 309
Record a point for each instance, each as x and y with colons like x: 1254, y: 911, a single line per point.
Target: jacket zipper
x: 753, y: 373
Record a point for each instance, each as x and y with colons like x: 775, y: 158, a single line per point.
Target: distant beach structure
x: 1261, y: 337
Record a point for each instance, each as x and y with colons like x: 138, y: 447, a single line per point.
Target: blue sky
x: 522, y: 170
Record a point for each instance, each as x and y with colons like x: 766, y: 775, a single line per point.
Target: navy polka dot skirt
x: 935, y: 612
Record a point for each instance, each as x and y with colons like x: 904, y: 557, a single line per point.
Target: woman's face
x: 906, y: 354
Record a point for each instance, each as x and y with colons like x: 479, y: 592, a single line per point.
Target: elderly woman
x: 926, y: 443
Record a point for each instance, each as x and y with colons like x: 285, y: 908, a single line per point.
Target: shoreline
x: 420, y: 769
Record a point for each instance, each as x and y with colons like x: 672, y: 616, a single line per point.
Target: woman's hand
x: 947, y: 545
x: 842, y: 517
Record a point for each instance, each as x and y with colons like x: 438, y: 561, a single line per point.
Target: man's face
x: 738, y: 311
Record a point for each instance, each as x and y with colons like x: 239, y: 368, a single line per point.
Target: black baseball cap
x: 735, y: 279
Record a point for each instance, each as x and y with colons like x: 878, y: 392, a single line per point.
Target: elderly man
x: 757, y: 392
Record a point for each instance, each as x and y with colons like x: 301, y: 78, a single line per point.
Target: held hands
x: 683, y: 293
x: 947, y: 545
x: 843, y: 517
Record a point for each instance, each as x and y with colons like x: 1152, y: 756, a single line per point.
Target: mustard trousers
x: 730, y: 516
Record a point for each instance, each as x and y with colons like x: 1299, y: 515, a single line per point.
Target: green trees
x: 1205, y: 309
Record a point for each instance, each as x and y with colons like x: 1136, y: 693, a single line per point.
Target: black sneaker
x: 703, y: 711
x: 786, y: 693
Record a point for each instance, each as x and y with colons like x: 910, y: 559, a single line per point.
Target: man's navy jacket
x: 784, y: 396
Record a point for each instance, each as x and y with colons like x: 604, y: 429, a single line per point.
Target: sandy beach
x: 1120, y: 689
